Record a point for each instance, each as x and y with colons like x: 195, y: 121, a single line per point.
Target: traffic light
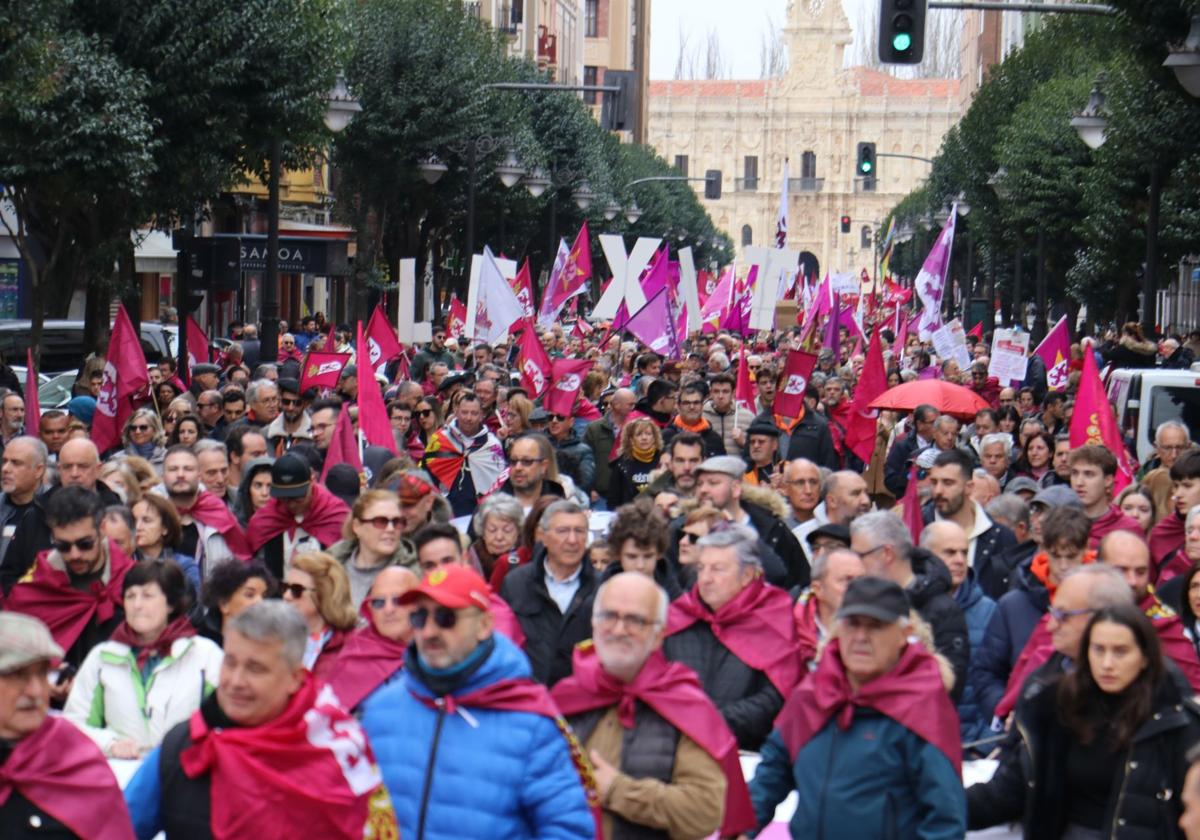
x: 866, y: 160
x: 845, y: 224
x: 902, y: 31
x: 712, y: 184
x: 619, y: 111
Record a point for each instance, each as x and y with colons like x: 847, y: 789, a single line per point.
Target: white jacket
x: 109, y: 702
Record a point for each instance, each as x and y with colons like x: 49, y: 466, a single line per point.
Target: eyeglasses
x: 443, y: 617
x: 140, y: 427
x: 83, y: 544
x: 382, y: 522
x: 1060, y: 615
x: 287, y: 401
x: 296, y: 590
x: 380, y: 603
x: 557, y: 418
x: 424, y: 412
x: 862, y: 554
x: 609, y: 619
x: 525, y: 462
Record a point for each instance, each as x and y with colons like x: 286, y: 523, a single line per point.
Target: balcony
x: 745, y: 184
x: 804, y: 185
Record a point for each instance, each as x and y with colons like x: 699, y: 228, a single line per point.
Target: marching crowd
x: 523, y: 621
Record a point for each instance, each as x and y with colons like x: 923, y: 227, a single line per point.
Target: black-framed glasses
x: 380, y: 603
x: 296, y: 590
x: 424, y: 412
x: 382, y: 522
x: 83, y: 544
x: 557, y: 418
x: 443, y: 617
x: 287, y: 401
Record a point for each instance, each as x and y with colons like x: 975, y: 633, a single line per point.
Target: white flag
x: 499, y: 307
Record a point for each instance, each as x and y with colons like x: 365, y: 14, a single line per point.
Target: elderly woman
x: 372, y: 540
x: 143, y: 436
x: 151, y: 674
x: 317, y: 587
x: 229, y: 589
x: 157, y: 534
x: 641, y: 446
x: 497, y: 524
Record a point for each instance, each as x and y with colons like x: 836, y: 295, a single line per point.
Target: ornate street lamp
x: 536, y: 182
x: 1185, y: 60
x: 583, y: 196
x: 633, y: 213
x: 342, y: 107
x: 611, y: 211
x: 432, y: 169
x: 511, y: 171
x: 1092, y: 124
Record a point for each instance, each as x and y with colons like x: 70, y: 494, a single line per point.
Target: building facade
x: 548, y: 32
x: 617, y: 37
x: 814, y: 117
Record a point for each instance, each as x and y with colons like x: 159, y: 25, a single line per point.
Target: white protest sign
x: 1010, y: 356
x: 950, y: 342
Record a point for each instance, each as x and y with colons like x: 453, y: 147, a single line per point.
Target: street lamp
x: 342, y: 108
x: 1092, y: 124
x: 583, y: 196
x: 1185, y: 60
x: 432, y: 169
x: 537, y: 182
x: 511, y: 171
x: 611, y: 211
x: 999, y: 184
x: 633, y: 213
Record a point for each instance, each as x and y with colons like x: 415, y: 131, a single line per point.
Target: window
x: 808, y: 165
x: 681, y: 164
x: 590, y: 77
x: 591, y: 18
x: 747, y: 236
x: 750, y: 172
x: 866, y: 237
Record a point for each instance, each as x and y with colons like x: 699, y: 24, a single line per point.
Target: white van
x: 1145, y: 398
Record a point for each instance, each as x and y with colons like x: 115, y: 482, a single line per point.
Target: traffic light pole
x: 999, y: 6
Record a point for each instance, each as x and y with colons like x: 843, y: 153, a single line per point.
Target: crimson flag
x: 372, y: 414
x: 124, y: 375
x: 743, y: 394
x: 522, y: 286
x: 1093, y: 421
x: 789, y: 399
x: 456, y: 321
x: 860, y: 434
x: 198, y: 351
x: 568, y: 377
x: 382, y: 344
x: 33, y: 408
x: 535, y: 364
x: 343, y: 446
x: 323, y: 369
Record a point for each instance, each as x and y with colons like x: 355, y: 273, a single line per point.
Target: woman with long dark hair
x: 1102, y: 749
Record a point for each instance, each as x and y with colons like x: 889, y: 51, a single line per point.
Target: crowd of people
x: 517, y: 622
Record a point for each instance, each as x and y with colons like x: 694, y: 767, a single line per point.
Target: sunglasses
x: 557, y: 418
x: 296, y: 590
x: 443, y: 617
x: 380, y: 603
x: 83, y: 544
x: 424, y: 412
x: 690, y: 537
x: 141, y: 427
x: 382, y: 522
x: 286, y: 401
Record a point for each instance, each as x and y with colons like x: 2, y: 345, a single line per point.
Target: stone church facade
x: 815, y: 116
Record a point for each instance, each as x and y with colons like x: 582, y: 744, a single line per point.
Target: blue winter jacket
x: 977, y: 609
x: 875, y: 781
x: 478, y: 772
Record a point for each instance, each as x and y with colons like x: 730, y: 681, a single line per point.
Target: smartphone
x: 65, y: 673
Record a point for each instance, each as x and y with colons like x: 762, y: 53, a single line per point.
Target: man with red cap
x: 54, y: 781
x: 469, y: 744
x: 666, y: 765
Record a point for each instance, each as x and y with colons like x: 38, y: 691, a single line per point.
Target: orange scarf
x: 1041, y: 568
x: 699, y: 427
x: 786, y: 426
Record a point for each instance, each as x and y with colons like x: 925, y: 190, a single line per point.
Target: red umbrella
x: 946, y: 397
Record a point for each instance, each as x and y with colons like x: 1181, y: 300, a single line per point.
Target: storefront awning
x: 314, y: 231
x: 154, y: 253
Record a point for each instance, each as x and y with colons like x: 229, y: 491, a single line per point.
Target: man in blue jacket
x: 468, y: 744
x: 870, y: 740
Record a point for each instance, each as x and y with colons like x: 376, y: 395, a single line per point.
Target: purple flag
x: 654, y: 325
x: 833, y: 332
x: 1055, y: 351
x: 931, y: 280
x: 658, y: 275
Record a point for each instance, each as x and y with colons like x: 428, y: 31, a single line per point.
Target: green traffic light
x: 902, y: 41
x: 865, y: 166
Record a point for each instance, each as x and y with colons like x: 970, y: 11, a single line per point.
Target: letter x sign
x: 626, y: 271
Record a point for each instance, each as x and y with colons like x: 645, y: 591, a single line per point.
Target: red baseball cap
x: 452, y: 586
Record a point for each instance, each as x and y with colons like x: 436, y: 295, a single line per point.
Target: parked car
x: 62, y: 343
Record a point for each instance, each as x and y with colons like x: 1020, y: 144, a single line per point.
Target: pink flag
x: 124, y: 375
x: 33, y: 406
x: 456, y: 320
x: 322, y: 369
x: 860, y: 433
x: 522, y: 287
x: 931, y: 280
x: 534, y: 364
x: 1055, y: 352
x: 382, y: 344
x: 197, y: 346
x: 743, y: 393
x: 582, y: 329
x: 618, y: 323
x: 789, y: 399
x: 654, y: 325
x: 568, y: 381
x: 343, y: 446
x: 658, y: 275
x: 569, y: 276
x: 372, y: 414
x: 717, y: 302
x: 1093, y: 420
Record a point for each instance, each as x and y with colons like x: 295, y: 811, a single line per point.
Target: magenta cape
x: 323, y: 521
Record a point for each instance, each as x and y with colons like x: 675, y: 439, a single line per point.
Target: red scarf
x: 211, y: 512
x: 1112, y: 520
x: 673, y: 691
x: 324, y: 520
x: 180, y: 628
x: 1165, y: 537
x: 808, y: 635
x: 62, y: 772
x: 367, y: 661
x: 307, y: 773
x: 912, y: 694
x: 46, y: 594
x: 757, y: 626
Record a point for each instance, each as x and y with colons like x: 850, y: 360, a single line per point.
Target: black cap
x: 349, y: 370
x: 205, y: 367
x: 874, y: 597
x: 841, y: 533
x: 344, y: 482
x: 290, y: 386
x: 763, y: 427
x: 290, y: 476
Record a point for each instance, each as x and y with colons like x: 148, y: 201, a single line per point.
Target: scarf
x: 756, y: 626
x: 645, y: 456
x: 673, y: 691
x: 180, y: 628
x: 211, y: 512
x: 310, y: 769
x: 808, y: 634
x: 323, y: 520
x: 46, y: 593
x: 1165, y: 537
x: 1113, y: 520
x: 62, y: 772
x: 367, y: 661
x: 699, y: 427
x: 1040, y: 568
x: 912, y: 694
x: 482, y: 455
x: 145, y: 450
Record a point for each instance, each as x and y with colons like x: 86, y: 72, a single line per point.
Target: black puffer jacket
x: 745, y: 697
x: 550, y: 635
x: 929, y: 594
x: 1143, y: 799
